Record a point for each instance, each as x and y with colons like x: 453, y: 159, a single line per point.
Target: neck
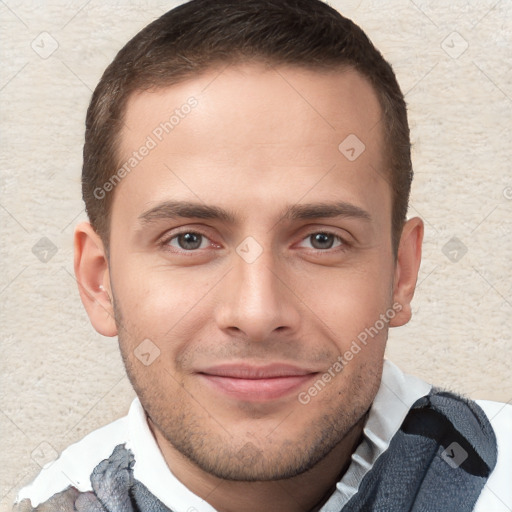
x: 305, y: 492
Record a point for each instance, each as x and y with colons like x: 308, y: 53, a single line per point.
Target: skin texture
x: 259, y: 142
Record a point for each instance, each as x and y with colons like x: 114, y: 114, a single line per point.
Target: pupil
x: 190, y: 241
x: 322, y: 241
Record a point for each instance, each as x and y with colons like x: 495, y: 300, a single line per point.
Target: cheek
x: 347, y: 300
x: 158, y: 302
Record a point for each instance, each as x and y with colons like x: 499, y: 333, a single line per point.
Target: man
x: 246, y: 175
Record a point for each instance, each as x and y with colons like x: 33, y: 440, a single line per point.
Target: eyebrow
x: 327, y: 210
x: 187, y: 209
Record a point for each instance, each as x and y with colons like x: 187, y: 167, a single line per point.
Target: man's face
x: 246, y: 310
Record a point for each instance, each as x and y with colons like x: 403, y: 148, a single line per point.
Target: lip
x: 256, y: 383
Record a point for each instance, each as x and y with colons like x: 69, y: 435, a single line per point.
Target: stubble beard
x: 189, y: 428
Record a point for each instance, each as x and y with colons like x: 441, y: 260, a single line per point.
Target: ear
x: 92, y: 275
x: 406, y: 269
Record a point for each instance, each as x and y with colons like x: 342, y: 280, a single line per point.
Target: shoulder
x: 497, y: 493
x: 75, y: 464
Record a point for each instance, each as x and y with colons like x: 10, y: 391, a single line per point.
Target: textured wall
x: 60, y: 379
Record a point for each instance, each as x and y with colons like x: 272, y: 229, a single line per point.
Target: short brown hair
x: 200, y: 34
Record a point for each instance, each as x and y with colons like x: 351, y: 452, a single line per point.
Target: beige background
x: 60, y: 379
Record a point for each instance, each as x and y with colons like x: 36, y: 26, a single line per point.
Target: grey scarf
x: 439, y: 460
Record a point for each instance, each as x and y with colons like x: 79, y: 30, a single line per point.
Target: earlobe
x: 406, y: 270
x: 92, y: 275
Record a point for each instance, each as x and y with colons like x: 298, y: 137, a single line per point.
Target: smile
x: 256, y: 384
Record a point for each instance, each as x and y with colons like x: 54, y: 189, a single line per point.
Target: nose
x: 257, y: 299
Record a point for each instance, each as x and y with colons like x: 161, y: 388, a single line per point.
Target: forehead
x: 252, y: 100
x: 263, y: 132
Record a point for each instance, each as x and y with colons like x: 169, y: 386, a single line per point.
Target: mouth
x: 256, y: 383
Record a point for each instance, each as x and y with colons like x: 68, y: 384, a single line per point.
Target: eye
x: 323, y: 240
x: 188, y: 241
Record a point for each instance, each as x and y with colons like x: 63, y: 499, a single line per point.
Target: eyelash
x: 344, y: 245
x: 164, y: 243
